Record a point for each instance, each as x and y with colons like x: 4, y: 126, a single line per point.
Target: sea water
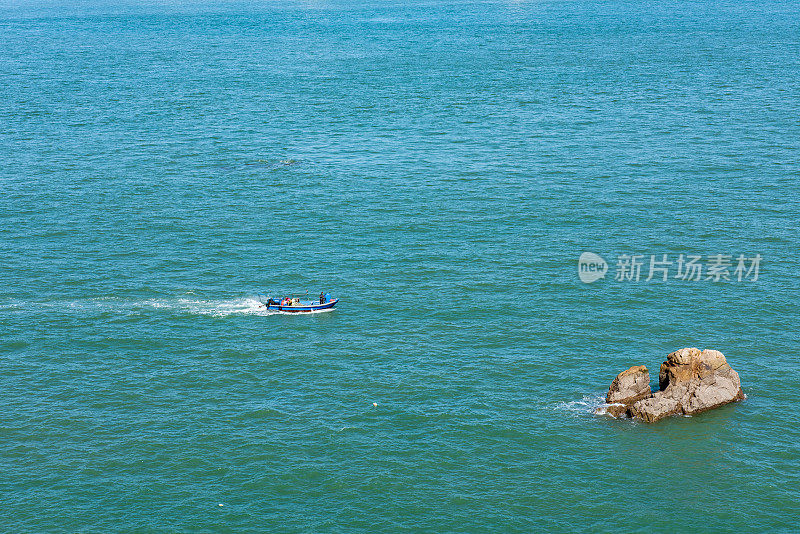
x: 440, y: 167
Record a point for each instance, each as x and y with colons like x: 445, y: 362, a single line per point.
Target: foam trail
x: 587, y: 405
x: 222, y: 308
x: 244, y: 306
x: 195, y: 306
x: 215, y: 308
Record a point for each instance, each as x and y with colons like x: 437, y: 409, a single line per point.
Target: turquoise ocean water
x: 440, y: 166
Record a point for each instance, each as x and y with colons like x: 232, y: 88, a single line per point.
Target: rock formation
x: 690, y: 381
x: 628, y: 387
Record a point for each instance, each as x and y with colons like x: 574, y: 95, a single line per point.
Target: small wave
x: 274, y: 163
x: 602, y: 409
x: 587, y: 405
x: 383, y: 20
x: 342, y: 429
x: 262, y: 413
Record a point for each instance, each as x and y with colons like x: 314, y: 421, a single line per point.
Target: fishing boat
x: 296, y: 305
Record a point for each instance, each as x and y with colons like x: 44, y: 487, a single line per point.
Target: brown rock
x: 614, y: 410
x: 654, y: 408
x: 630, y: 385
x: 690, y: 381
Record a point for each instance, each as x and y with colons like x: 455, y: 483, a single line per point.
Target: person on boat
x: 321, y: 297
